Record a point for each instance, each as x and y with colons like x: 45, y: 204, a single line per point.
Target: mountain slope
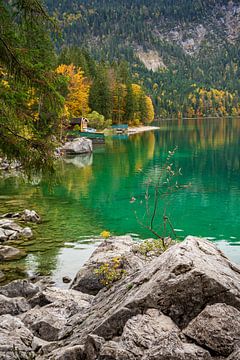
x: 184, y: 42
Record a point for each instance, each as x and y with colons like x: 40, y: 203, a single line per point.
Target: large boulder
x: 15, y: 339
x: 181, y: 305
x: 179, y: 284
x: 123, y: 247
x: 217, y: 327
x: 78, y: 146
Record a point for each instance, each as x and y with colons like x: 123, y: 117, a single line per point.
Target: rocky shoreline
x: 183, y: 304
x: 11, y: 231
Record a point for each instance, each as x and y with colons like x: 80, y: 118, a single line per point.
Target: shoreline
x: 139, y: 129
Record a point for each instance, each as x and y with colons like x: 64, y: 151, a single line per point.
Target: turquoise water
x: 93, y: 193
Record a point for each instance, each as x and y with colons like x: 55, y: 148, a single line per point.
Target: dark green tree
x: 27, y: 63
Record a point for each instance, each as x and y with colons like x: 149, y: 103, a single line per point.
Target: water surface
x: 94, y: 193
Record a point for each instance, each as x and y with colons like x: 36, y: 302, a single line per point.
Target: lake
x: 106, y: 191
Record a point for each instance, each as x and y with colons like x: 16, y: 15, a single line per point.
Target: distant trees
x: 108, y: 29
x: 107, y: 91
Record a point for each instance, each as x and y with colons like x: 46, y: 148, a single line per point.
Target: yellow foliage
x: 105, y: 234
x: 78, y: 87
x: 150, y: 109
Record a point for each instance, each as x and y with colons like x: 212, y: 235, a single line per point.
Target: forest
x: 111, y: 30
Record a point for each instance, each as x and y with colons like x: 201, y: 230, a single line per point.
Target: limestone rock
x: 235, y: 355
x: 78, y: 146
x: 30, y: 216
x: 45, y: 323
x: 27, y: 232
x: 172, y: 348
x: 86, y: 279
x: 3, y: 236
x: 15, y: 339
x: 13, y: 306
x: 19, y: 288
x: 10, y: 253
x: 179, y: 283
x: 216, y: 327
x: 70, y: 353
x: 53, y: 294
x: 10, y: 225
x: 48, y: 322
x: 151, y: 336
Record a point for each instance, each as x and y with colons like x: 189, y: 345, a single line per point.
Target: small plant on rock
x: 111, y: 271
x: 105, y: 234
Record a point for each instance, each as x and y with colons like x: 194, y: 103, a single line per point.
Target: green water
x: 93, y: 194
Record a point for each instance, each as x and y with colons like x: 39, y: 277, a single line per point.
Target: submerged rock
x: 10, y: 253
x: 78, y: 146
x: 25, y: 215
x: 30, y: 216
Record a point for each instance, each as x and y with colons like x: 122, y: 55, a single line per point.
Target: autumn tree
x: 77, y: 99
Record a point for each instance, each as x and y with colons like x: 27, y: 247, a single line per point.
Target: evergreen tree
x: 100, y: 98
x: 130, y: 104
x: 29, y: 101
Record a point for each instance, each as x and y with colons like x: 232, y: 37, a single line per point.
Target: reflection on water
x: 93, y: 193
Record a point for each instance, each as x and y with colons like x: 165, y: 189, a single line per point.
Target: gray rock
x: 46, y: 323
x: 10, y: 253
x: 3, y: 236
x: 88, y: 281
x: 14, y: 236
x: 27, y: 232
x: 9, y: 233
x: 66, y: 279
x: 70, y: 353
x: 78, y: 146
x: 30, y: 216
x: 235, y: 355
x: 15, y: 339
x: 19, y: 288
x: 216, y: 327
x: 10, y: 225
x: 49, y: 321
x: 172, y: 348
x: 141, y: 339
x: 53, y: 294
x: 179, y: 283
x: 13, y: 306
